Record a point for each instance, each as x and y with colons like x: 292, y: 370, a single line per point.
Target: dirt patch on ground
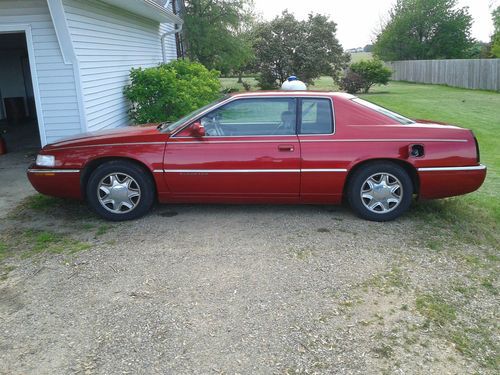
x: 239, y: 289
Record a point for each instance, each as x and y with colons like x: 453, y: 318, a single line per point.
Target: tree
x: 479, y: 50
x: 495, y: 40
x: 372, y: 72
x: 213, y: 31
x: 308, y: 49
x: 246, y: 35
x: 425, y: 29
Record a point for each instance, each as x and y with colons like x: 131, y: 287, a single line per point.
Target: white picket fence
x: 471, y: 74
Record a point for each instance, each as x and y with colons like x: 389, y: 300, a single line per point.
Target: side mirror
x: 197, y: 129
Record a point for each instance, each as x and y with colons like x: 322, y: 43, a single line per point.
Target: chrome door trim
x: 325, y: 170
x: 232, y: 170
x: 253, y: 170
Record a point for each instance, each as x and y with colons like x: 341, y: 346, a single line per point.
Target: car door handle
x: 289, y: 148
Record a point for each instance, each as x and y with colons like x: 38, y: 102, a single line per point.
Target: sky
x: 358, y: 20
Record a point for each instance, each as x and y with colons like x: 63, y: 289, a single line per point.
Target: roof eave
x: 148, y: 9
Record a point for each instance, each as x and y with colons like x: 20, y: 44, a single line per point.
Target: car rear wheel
x: 380, y: 191
x: 120, y: 190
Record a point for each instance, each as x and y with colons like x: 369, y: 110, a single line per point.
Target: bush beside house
x: 170, y: 91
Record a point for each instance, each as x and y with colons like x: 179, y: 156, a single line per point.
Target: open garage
x: 18, y: 119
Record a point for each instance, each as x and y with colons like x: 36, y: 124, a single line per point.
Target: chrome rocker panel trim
x: 444, y: 169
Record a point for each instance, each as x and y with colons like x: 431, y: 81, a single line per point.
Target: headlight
x: 46, y: 161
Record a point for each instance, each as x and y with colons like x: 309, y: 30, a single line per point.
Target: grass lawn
x: 358, y: 56
x: 232, y: 83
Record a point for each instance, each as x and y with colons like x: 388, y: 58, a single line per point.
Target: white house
x: 65, y: 62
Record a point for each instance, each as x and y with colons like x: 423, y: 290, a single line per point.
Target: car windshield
x: 169, y: 127
x: 393, y: 115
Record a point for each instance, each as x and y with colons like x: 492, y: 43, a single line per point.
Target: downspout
x: 177, y: 29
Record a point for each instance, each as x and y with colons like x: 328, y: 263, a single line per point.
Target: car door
x: 250, y: 151
x: 323, y: 169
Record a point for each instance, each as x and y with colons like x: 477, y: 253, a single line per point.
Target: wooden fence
x: 471, y: 74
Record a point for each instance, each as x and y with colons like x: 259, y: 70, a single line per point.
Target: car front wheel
x: 380, y: 191
x: 120, y: 190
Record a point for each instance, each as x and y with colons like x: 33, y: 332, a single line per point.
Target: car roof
x: 303, y: 93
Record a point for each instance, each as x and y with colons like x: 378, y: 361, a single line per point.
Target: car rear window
x: 384, y: 111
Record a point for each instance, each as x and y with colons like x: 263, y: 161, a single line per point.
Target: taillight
x: 478, y: 156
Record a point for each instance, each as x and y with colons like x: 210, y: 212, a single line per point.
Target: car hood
x: 129, y: 134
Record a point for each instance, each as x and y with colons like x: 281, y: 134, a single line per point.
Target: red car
x: 266, y: 147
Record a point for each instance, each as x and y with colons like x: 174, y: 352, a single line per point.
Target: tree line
x: 432, y: 29
x: 228, y: 36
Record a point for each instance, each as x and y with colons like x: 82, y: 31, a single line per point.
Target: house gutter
x: 177, y: 29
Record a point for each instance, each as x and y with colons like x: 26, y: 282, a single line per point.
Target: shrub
x: 352, y: 83
x: 170, y: 91
x: 267, y: 81
x: 372, y: 72
x: 246, y: 85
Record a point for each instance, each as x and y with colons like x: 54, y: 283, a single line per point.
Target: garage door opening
x: 18, y: 117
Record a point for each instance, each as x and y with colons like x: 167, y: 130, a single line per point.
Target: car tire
x: 380, y: 191
x: 120, y: 190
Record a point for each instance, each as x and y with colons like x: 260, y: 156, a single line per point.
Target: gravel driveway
x: 206, y: 289
x: 14, y: 185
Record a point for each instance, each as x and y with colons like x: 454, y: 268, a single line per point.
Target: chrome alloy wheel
x: 118, y: 193
x: 381, y: 193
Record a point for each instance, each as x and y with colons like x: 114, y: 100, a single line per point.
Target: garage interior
x: 18, y: 120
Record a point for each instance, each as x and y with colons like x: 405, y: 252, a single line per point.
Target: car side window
x: 316, y: 116
x: 248, y: 117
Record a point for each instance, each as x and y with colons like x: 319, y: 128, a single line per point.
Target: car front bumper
x: 64, y: 183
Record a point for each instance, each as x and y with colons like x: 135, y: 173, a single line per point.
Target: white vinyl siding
x: 58, y: 97
x: 108, y: 42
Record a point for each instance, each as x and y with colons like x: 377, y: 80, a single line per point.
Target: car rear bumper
x: 64, y: 183
x: 442, y: 182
